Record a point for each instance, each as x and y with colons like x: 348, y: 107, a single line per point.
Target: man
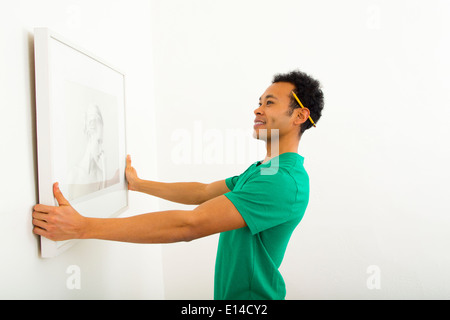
x: 255, y: 212
x: 89, y: 174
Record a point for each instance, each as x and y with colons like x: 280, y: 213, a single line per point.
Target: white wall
x: 378, y: 159
x: 119, y: 32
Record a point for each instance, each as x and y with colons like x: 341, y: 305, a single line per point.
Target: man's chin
x: 265, y: 134
x: 260, y: 134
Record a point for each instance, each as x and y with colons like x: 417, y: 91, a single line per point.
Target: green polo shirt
x: 272, y: 198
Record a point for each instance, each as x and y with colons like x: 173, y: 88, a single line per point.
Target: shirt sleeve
x: 231, y: 182
x: 265, y: 201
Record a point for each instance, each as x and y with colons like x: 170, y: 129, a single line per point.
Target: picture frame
x: 81, y: 131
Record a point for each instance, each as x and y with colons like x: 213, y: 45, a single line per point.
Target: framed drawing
x: 80, y: 115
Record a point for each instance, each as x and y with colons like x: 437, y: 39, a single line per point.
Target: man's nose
x: 257, y: 110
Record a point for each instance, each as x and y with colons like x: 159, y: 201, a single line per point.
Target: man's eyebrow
x: 269, y: 96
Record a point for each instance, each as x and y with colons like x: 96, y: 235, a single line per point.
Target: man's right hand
x: 131, y: 175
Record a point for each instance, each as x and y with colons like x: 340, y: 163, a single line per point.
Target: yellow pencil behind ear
x: 301, y: 105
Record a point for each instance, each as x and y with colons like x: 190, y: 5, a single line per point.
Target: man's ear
x: 301, y: 115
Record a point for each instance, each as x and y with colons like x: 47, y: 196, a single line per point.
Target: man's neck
x: 275, y: 148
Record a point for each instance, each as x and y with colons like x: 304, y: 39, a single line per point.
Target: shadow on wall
x: 30, y: 42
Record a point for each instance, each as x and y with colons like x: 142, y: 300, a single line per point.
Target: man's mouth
x: 258, y: 123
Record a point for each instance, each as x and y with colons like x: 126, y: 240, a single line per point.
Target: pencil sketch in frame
x: 80, y: 115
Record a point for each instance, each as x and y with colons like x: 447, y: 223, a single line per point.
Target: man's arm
x: 64, y: 222
x: 181, y: 192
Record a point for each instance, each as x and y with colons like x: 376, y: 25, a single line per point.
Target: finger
x: 128, y: 160
x: 42, y: 208
x: 59, y: 196
x: 40, y: 216
x: 39, y: 231
x: 39, y: 223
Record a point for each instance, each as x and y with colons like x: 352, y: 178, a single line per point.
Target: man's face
x: 94, y: 133
x: 273, y: 112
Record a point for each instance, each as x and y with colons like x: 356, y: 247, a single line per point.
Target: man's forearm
x: 181, y: 192
x: 156, y: 227
x: 63, y: 222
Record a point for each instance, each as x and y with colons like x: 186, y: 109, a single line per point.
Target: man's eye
x: 267, y: 102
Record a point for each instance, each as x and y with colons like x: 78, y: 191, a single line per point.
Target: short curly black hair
x: 308, y: 90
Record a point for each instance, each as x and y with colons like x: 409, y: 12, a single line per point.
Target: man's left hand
x: 58, y: 223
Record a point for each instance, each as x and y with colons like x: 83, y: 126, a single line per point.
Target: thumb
x: 128, y: 160
x: 59, y: 196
